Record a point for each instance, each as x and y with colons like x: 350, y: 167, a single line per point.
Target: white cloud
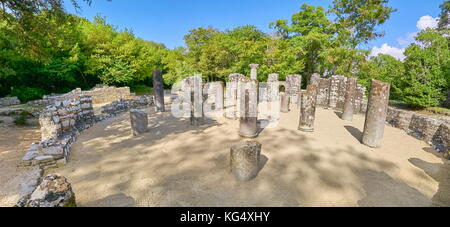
x: 407, y: 39
x: 427, y: 22
x: 386, y: 49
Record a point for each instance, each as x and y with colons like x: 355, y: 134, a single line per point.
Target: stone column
x: 244, y: 160
x: 139, y: 122
x: 308, y: 109
x: 333, y: 92
x: 158, y: 90
x: 294, y: 83
x: 284, y: 102
x: 350, y: 95
x: 315, y: 79
x: 254, y: 71
x: 376, y: 114
x: 248, y: 124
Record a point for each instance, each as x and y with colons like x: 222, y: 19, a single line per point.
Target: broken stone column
x: 244, y: 160
x: 54, y: 191
x: 294, y: 87
x: 349, y: 103
x: 376, y: 114
x: 139, y: 122
x: 284, y: 102
x: 248, y: 97
x: 254, y: 71
x: 158, y: 90
x: 308, y: 109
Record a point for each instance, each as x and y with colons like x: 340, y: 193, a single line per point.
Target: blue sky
x: 167, y: 21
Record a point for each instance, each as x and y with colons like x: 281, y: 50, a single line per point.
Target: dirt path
x: 176, y: 164
x: 14, y: 142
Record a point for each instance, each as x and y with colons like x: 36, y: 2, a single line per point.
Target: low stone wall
x: 61, y: 124
x: 103, y: 94
x: 123, y: 105
x: 9, y: 101
x: 434, y: 131
x: 107, y: 94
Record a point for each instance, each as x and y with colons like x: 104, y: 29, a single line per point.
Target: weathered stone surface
x: 213, y: 105
x: 244, y: 160
x: 53, y: 191
x: 158, y: 90
x: 9, y: 101
x: 349, y: 106
x: 399, y: 118
x: 324, y: 92
x: 334, y: 92
x: 376, y: 114
x: 285, y: 99
x: 248, y: 98
x: 308, y: 109
x: 294, y: 83
x: 254, y: 71
x: 139, y: 122
x: 315, y: 79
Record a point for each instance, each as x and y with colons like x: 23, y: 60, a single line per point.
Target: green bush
x: 141, y: 89
x: 21, y: 120
x: 26, y: 94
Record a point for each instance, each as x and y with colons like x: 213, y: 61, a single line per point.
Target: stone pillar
x: 254, y: 71
x: 294, y: 85
x: 315, y: 79
x: 244, y: 160
x: 308, y: 109
x: 334, y: 92
x: 285, y: 100
x: 350, y: 96
x: 139, y: 122
x: 376, y: 114
x: 248, y: 124
x: 158, y: 90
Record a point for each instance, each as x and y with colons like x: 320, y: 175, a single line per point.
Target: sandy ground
x: 176, y: 164
x: 14, y: 142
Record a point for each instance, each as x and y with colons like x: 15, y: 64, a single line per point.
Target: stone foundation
x: 9, y: 101
x: 433, y: 131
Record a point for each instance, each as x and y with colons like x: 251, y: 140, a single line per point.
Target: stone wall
x: 123, y: 105
x: 434, y: 131
x: 332, y: 90
x: 9, y: 101
x: 99, y: 94
x: 61, y: 123
x: 107, y: 94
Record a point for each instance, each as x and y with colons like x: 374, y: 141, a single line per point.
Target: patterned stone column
x: 254, y: 71
x: 158, y: 90
x: 350, y: 95
x: 244, y: 160
x: 284, y: 102
x: 248, y: 124
x: 139, y: 122
x: 294, y: 83
x: 308, y: 109
x: 376, y: 114
x: 334, y: 92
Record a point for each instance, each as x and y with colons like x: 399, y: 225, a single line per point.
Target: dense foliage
x: 45, y: 50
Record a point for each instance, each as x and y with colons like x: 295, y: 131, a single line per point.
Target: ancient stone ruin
x: 139, y: 122
x: 9, y: 101
x: 376, y: 114
x: 244, y: 160
x: 53, y: 191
